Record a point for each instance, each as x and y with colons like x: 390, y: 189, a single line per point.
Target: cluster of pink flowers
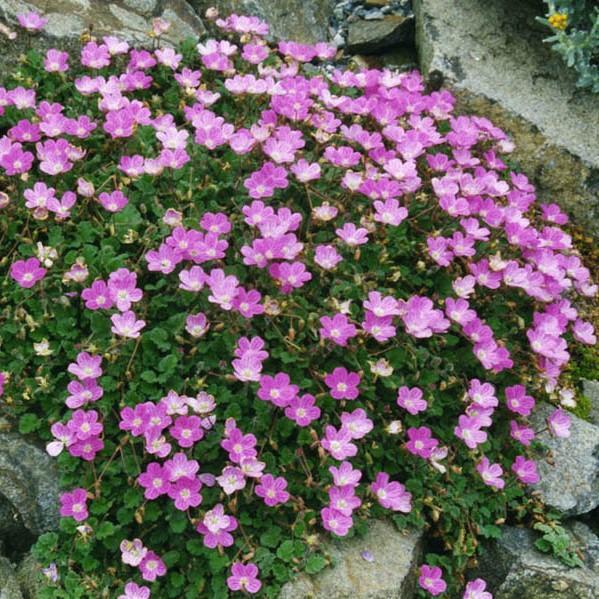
x: 307, y: 131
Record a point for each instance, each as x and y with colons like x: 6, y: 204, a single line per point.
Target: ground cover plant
x: 250, y: 301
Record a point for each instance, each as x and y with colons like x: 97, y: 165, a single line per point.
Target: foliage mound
x: 251, y: 301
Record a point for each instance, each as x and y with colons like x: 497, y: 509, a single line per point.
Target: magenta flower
x: 411, y: 400
x: 482, y: 394
x: 154, y: 480
x: 344, y: 500
x: 521, y: 433
x: 56, y: 61
x: 342, y: 383
x: 163, y: 260
x: 127, y: 325
x: 132, y: 552
x: 421, y: 442
x: 338, y: 443
x: 185, y: 493
x: 122, y: 289
x: 277, y: 389
x: 335, y: 521
x: 187, y: 430
x: 303, y: 410
x: 345, y: 475
x: 517, y: 401
x: 27, y: 272
x: 327, y: 257
x: 352, y: 235
x: 134, y: 591
x: 152, y: 567
x: 490, y: 473
x: 391, y: 495
x: 244, y: 578
x: 475, y: 589
x: 232, y: 479
x: 239, y: 446
x: 74, y: 504
x: 85, y: 424
x: 337, y: 328
x: 525, y: 470
x: 584, y: 332
x: 179, y: 466
x: 86, y: 449
x: 431, y: 580
x: 468, y: 430
x: 272, y: 490
x: 114, y: 201
x: 559, y: 423
x: 32, y: 21
x: 216, y: 527
x: 86, y: 366
x: 357, y: 423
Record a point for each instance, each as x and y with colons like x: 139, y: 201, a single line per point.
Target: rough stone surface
x: 591, y: 392
x: 589, y: 542
x: 300, y: 20
x: 9, y: 586
x: 570, y: 479
x: 29, y: 575
x: 366, y: 37
x: 514, y: 569
x: 28, y: 480
x: 130, y: 19
x: 492, y: 48
x: 390, y: 575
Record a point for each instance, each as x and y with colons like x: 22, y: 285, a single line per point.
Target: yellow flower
x: 558, y: 21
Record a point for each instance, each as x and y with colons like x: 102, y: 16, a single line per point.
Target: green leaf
x: 29, y: 423
x: 315, y: 563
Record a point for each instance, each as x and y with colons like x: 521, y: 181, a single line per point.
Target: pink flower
x: 179, y: 466
x: 232, y: 479
x: 421, y: 442
x: 584, y: 332
x: 85, y: 424
x: 327, y: 257
x: 185, y: 492
x: 197, y: 325
x: 163, y: 260
x: 468, y: 430
x: 411, y: 399
x: 420, y: 319
x: 391, y: 495
x: 86, y: 366
x: 216, y: 527
x: 114, y: 201
x: 357, y: 423
x: 559, y: 423
x: 127, y: 325
x: 389, y: 212
x: 521, y: 433
x: 239, y: 446
x: 122, y: 289
x: 56, y: 61
x: 475, y: 589
x: 490, y: 473
x: 32, y: 21
x: 97, y: 296
x: 302, y: 410
x: 134, y: 591
x: 337, y: 328
x: 431, y: 580
x: 244, y: 578
x: 27, y: 272
x: 339, y: 443
x: 272, y: 490
x: 342, y: 383
x: 277, y: 389
x: 187, y: 430
x: 335, y: 522
x: 74, y: 504
x: 345, y: 475
x: 482, y: 394
x: 344, y: 500
x: 154, y: 480
x: 517, y: 401
x: 152, y: 567
x: 352, y: 235
x: 525, y: 470
x: 86, y: 449
x: 132, y: 552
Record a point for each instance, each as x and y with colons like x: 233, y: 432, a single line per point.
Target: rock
x: 9, y: 586
x: 389, y: 573
x: 514, y: 569
x: 589, y: 542
x: 29, y: 575
x: 129, y: 19
x: 367, y: 37
x: 590, y: 390
x: 299, y: 20
x: 570, y: 479
x: 29, y: 481
x: 493, y: 49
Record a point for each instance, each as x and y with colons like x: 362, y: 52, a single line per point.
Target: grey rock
x: 514, y: 569
x: 29, y: 575
x: 589, y: 542
x: 391, y: 574
x: 29, y: 481
x: 492, y: 48
x: 297, y: 20
x: 9, y: 586
x: 129, y: 19
x: 591, y: 392
x: 367, y: 37
x: 570, y: 481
